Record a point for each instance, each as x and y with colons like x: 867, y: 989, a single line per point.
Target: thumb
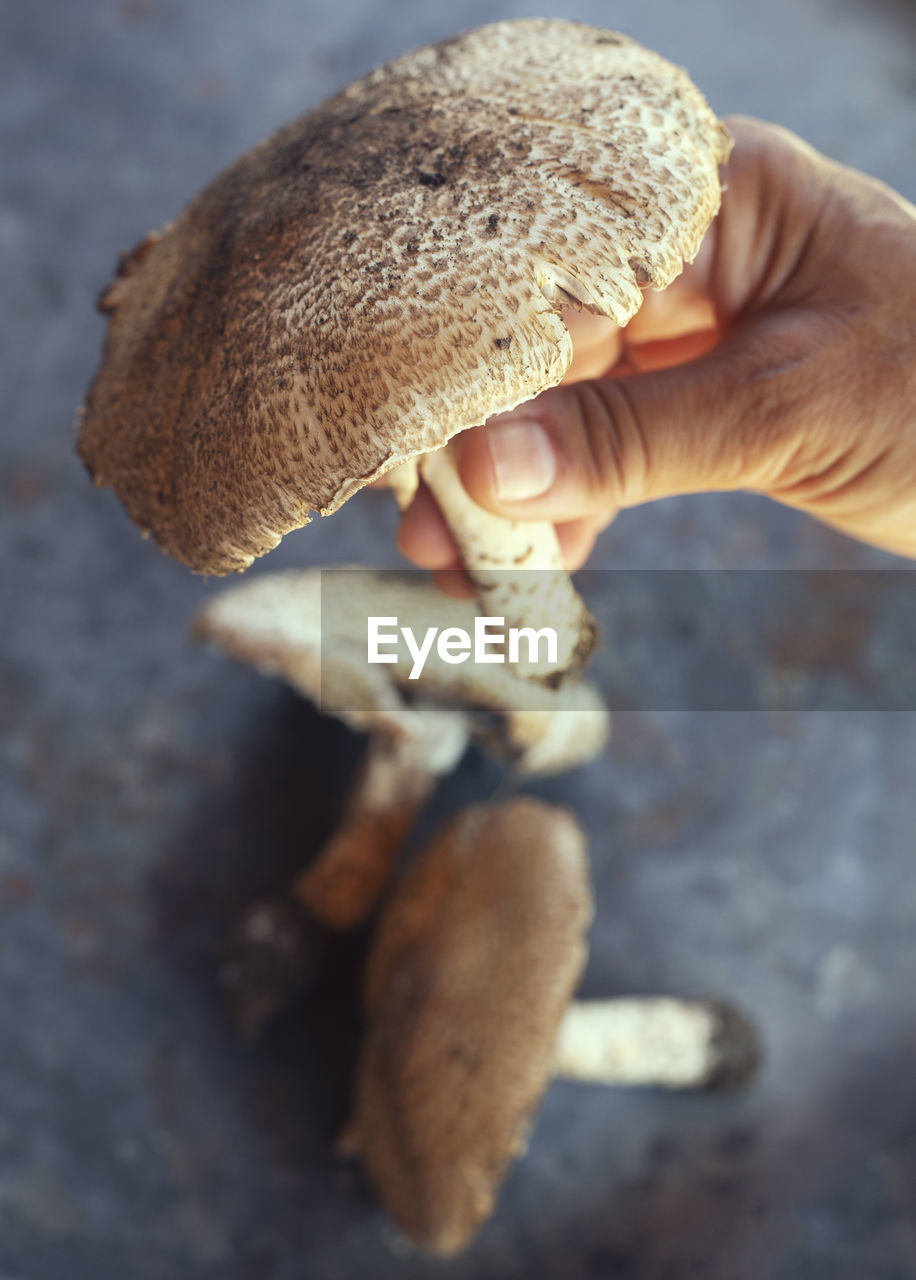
x: 727, y: 420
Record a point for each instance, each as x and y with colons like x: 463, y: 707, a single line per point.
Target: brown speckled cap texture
x: 473, y: 966
x: 387, y: 271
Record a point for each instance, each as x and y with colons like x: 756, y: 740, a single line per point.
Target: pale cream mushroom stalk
x: 656, y: 1042
x: 309, y: 627
x: 516, y: 567
x: 468, y: 991
x: 386, y: 272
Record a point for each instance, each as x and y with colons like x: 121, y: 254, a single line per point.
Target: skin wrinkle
x: 824, y: 487
x: 819, y: 484
x: 639, y: 465
x: 781, y: 408
x: 765, y: 247
x: 792, y: 247
x: 706, y: 437
x: 804, y: 250
x: 770, y: 230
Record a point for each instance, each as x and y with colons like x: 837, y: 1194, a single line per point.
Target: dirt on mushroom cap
x: 386, y: 272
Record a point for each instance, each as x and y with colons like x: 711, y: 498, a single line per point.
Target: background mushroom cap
x: 386, y: 272
x: 474, y: 964
x: 309, y: 627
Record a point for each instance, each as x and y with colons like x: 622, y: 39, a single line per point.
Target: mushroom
x: 387, y: 271
x: 468, y: 1016
x: 310, y: 627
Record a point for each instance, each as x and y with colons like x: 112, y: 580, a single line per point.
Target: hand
x: 782, y: 361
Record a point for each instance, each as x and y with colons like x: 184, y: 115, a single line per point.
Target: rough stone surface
x: 150, y: 791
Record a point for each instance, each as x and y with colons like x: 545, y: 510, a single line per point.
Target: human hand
x: 782, y: 361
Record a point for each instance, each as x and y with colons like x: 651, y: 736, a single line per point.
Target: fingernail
x: 524, y: 463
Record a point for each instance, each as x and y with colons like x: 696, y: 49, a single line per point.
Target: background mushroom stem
x: 394, y: 781
x: 516, y: 568
x: 656, y: 1041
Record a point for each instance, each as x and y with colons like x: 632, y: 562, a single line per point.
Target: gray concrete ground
x: 148, y: 790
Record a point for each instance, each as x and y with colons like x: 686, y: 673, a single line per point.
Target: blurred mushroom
x: 271, y: 959
x: 474, y: 963
x: 468, y: 1017
x: 394, y: 781
x: 310, y: 628
x: 386, y: 272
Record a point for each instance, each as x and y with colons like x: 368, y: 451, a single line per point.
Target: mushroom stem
x: 403, y: 482
x: 516, y: 568
x: 395, y: 779
x: 656, y: 1041
x: 550, y: 740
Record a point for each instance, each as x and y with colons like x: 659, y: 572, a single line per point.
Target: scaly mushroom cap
x: 474, y: 964
x: 388, y: 271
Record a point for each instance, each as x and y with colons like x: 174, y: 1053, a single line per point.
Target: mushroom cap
x: 387, y: 271
x: 474, y: 964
